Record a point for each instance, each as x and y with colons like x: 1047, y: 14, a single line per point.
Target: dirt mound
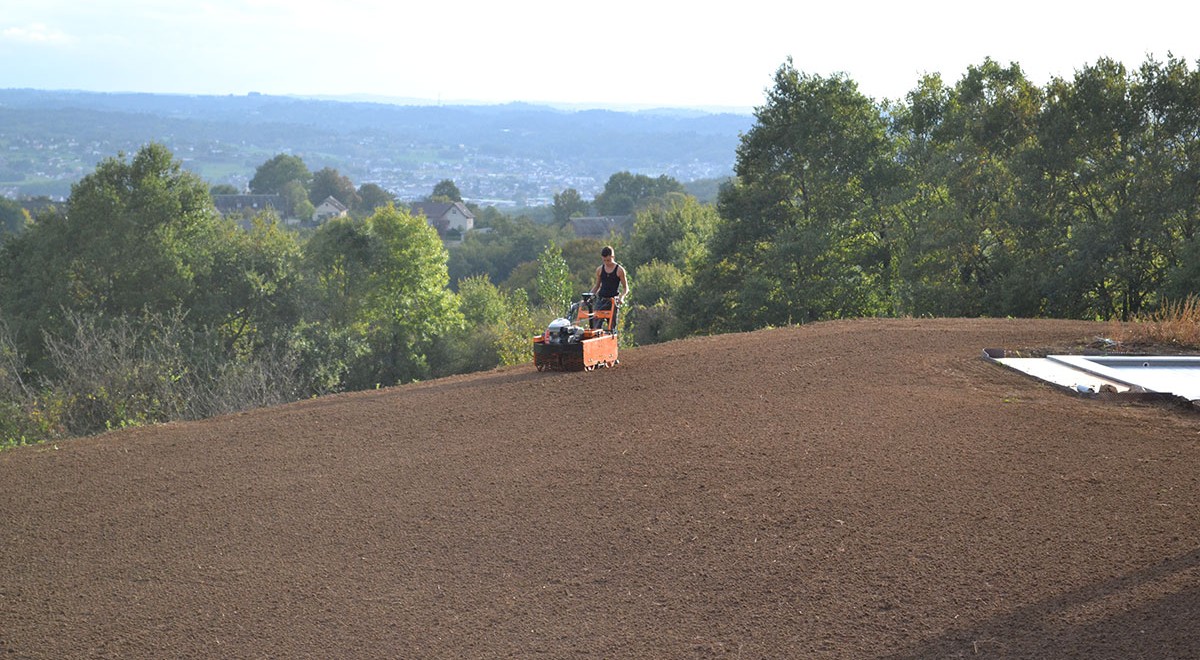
x: 844, y: 490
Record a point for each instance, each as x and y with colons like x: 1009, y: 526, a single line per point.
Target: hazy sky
x: 617, y: 53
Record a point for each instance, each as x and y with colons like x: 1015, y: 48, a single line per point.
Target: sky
x: 617, y: 54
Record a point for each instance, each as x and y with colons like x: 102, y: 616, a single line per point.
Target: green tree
x: 295, y: 201
x: 224, y: 189
x: 446, y: 191
x: 705, y: 190
x: 512, y: 242
x: 800, y: 237
x: 1170, y: 92
x: 554, y: 285
x: 939, y: 260
x: 271, y: 177
x: 517, y: 332
x: 252, y: 294
x: 1122, y: 188
x: 625, y: 191
x: 568, y: 204
x: 582, y: 256
x: 20, y: 419
x: 970, y: 242
x: 476, y: 346
x: 658, y: 283
x: 383, y: 279
x: 13, y: 218
x: 328, y: 182
x: 137, y: 236
x: 371, y: 196
x: 989, y: 134
x: 480, y: 301
x: 673, y: 231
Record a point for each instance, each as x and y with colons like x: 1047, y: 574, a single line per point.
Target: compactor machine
x: 581, y: 341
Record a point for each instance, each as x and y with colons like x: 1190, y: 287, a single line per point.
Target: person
x: 612, y: 284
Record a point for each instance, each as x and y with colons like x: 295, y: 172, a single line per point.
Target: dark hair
x: 606, y: 251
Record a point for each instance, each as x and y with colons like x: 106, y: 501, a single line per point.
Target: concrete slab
x: 1177, y: 375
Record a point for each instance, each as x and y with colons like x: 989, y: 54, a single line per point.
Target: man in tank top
x: 612, y: 286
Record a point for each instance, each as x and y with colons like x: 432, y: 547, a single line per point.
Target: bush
x: 23, y: 418
x: 130, y: 372
x: 21, y: 425
x: 515, y: 341
x: 652, y: 325
x: 658, y: 282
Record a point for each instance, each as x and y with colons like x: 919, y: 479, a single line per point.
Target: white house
x: 446, y: 216
x: 330, y: 208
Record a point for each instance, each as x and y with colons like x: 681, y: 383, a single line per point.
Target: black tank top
x: 610, y: 283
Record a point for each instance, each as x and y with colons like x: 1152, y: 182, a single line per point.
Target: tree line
x: 137, y: 302
x: 992, y: 196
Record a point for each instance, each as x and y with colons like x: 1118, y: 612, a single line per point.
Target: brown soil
x: 858, y: 489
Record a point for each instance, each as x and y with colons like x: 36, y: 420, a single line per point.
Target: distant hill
x: 513, y: 153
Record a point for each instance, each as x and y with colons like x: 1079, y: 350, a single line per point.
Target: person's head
x: 606, y: 253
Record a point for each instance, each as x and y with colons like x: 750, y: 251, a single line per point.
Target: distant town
x: 503, y: 156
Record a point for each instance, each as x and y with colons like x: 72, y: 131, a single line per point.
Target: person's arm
x: 596, y: 286
x: 624, y: 282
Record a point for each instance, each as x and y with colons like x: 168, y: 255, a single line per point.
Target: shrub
x: 129, y: 372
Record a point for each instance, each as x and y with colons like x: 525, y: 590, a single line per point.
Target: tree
x: 800, y: 238
x: 13, y: 218
x: 371, y: 196
x: 476, y: 346
x: 136, y: 236
x: 937, y: 250
x: 973, y: 232
x: 1170, y: 93
x: 140, y: 242
x: 657, y: 283
x: 674, y: 231
x: 224, y: 189
x: 328, y: 182
x: 568, y: 204
x: 519, y: 326
x: 446, y: 191
x: 252, y: 294
x: 1114, y: 187
x: 625, y: 191
x: 582, y: 256
x: 271, y: 177
x: 987, y: 136
x: 512, y: 242
x: 669, y: 238
x: 480, y: 301
x: 295, y: 201
x: 383, y: 279
x: 554, y: 279
x: 20, y: 422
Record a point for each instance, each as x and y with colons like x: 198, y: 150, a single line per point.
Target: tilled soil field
x: 856, y: 489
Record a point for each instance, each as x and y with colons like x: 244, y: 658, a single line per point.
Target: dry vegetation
x: 1175, y: 324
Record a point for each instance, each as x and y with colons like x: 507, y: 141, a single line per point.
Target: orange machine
x: 580, y: 341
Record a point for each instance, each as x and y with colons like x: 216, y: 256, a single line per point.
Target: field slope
x: 855, y: 489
